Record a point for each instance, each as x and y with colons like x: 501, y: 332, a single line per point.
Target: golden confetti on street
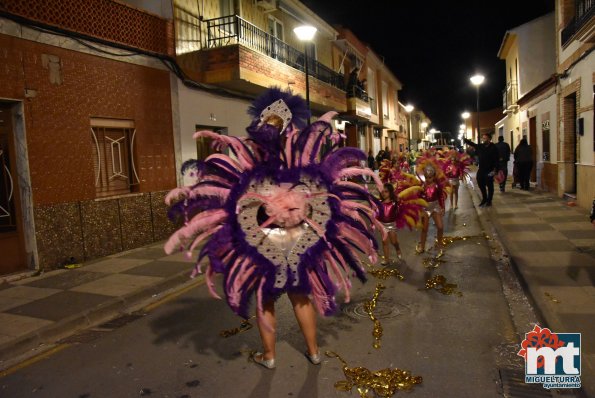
x: 385, y: 273
x: 438, y: 282
x: 244, y: 326
x: 369, y: 307
x: 383, y: 383
x: 552, y: 298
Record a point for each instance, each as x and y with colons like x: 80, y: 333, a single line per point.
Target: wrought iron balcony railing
x: 584, y: 10
x: 232, y: 29
x: 510, y: 95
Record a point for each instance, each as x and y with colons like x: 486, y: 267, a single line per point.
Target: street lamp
x: 409, y: 108
x: 306, y: 33
x: 477, y: 80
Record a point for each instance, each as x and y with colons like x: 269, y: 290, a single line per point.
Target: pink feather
x: 210, y: 284
x: 327, y: 117
x: 339, y: 275
x: 176, y: 195
x: 202, y: 236
x: 243, y: 156
x: 358, y: 171
x: 201, y: 222
x: 237, y: 168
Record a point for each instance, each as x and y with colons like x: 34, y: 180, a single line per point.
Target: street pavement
x: 462, y: 346
x: 552, y: 246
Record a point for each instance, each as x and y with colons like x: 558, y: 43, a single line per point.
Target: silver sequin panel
x: 286, y: 261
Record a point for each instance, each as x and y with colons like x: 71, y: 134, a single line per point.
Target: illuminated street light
x: 306, y: 33
x: 409, y: 108
x: 477, y: 81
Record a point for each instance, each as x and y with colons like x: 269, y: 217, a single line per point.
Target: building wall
x: 65, y: 90
x: 201, y: 108
x: 536, y: 51
x: 543, y: 108
x: 575, y: 62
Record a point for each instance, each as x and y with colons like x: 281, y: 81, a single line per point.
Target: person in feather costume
x: 456, y: 169
x: 278, y: 218
x: 435, y: 191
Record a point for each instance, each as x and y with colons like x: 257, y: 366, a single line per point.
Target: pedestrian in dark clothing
x: 371, y: 160
x: 379, y: 157
x: 593, y: 213
x: 524, y: 161
x: 386, y: 154
x: 487, y: 154
x: 503, y: 158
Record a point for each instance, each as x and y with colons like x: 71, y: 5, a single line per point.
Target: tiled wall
x: 105, y: 19
x: 90, y: 229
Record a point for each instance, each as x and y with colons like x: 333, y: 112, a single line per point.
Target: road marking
x: 35, y: 359
x: 173, y: 295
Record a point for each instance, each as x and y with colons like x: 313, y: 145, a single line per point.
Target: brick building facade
x: 88, y: 136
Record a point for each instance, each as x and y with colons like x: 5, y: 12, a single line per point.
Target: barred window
x: 114, y: 161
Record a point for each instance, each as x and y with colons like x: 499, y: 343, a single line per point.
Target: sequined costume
x: 435, y: 191
x: 434, y: 196
x: 387, y: 215
x: 279, y: 216
x: 456, y: 166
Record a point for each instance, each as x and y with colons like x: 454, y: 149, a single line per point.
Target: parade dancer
x: 387, y: 215
x: 456, y: 169
x: 434, y: 192
x: 278, y: 218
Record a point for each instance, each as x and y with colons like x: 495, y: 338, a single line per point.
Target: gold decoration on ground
x: 369, y: 307
x: 438, y: 282
x: 244, y: 326
x: 384, y: 383
x: 552, y: 298
x: 385, y: 273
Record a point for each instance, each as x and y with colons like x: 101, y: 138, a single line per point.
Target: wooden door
x: 12, y: 251
x: 533, y: 142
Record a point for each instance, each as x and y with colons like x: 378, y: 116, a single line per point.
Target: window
x: 226, y: 7
x: 371, y: 85
x: 275, y: 28
x: 112, y: 143
x: 385, y: 100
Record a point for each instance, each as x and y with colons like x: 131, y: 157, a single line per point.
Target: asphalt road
x: 456, y: 343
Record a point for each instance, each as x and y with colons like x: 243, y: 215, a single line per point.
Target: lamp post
x: 477, y: 80
x: 306, y: 33
x: 409, y: 108
x: 465, y: 115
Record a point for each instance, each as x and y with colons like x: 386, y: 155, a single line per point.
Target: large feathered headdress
x: 278, y: 214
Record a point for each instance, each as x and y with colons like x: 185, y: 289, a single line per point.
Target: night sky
x: 433, y: 47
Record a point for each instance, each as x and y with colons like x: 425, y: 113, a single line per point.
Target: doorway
x: 203, y: 144
x: 570, y: 142
x: 533, y: 143
x: 12, y: 245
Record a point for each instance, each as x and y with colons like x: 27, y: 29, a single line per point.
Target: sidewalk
x: 40, y: 310
x: 552, y: 246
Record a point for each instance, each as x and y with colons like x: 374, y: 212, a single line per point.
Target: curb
x: 38, y: 341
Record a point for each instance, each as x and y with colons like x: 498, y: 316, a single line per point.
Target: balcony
x: 232, y: 29
x: 358, y: 103
x: 584, y: 10
x: 510, y: 96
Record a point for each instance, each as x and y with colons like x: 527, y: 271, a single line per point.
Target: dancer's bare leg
x: 306, y: 317
x: 394, y: 239
x: 424, y: 231
x: 267, y: 323
x: 439, y: 227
